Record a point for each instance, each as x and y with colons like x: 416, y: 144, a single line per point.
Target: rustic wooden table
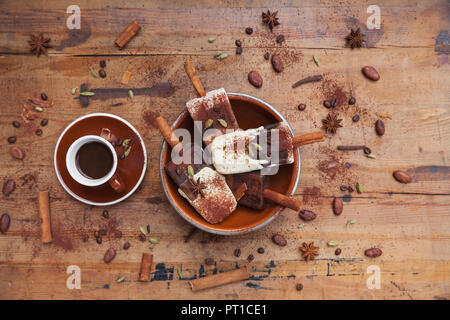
x: 410, y: 223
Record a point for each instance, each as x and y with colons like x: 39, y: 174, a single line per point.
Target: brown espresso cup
x: 112, y: 177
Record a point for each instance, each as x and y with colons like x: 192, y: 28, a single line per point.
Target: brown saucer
x: 131, y: 169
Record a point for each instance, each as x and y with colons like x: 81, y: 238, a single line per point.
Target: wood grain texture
x: 410, y: 223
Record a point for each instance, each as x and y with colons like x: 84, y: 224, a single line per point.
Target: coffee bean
x: 44, y: 122
x: 352, y: 101
x: 344, y: 188
x: 122, y: 156
x: 99, y: 240
x: 267, y: 56
x: 12, y: 139
x: 379, y: 127
x: 85, y: 237
x: 102, y: 232
x: 109, y: 255
x: 102, y: 73
x: 373, y: 252
x: 277, y: 64
x: 17, y: 153
x: 402, y: 176
x: 338, y: 206
x: 105, y: 214
x: 355, y: 118
x: 142, y: 237
x: 44, y: 96
x: 102, y: 63
x: 255, y: 79
x: 126, y: 245
x: 250, y: 258
x: 367, y: 150
x: 278, y: 239
x: 350, y: 189
x: 301, y: 106
x: 337, y: 251
x: 8, y: 187
x: 16, y: 124
x: 327, y: 104
x: 119, y: 142
x: 148, y: 228
x: 4, y: 223
x: 371, y: 73
x: 307, y: 215
x: 260, y: 250
x: 38, y: 132
x: 280, y: 38
x: 238, y: 43
x: 348, y: 165
x: 118, y: 234
x: 334, y: 102
x: 237, y: 252
x: 209, y: 261
x: 238, y: 50
x: 299, y: 287
x: 248, y: 30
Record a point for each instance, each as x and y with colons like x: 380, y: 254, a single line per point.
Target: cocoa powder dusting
x: 311, y: 196
x: 333, y: 167
x: 150, y: 118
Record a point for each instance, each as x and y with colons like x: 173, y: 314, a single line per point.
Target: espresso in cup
x: 94, y: 160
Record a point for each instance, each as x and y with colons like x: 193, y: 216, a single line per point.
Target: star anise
x: 309, y: 251
x: 355, y: 39
x: 270, y: 18
x: 331, y: 123
x: 39, y: 44
x: 197, y: 187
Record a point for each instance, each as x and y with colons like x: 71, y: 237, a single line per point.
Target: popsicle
x: 204, y: 188
x: 249, y: 150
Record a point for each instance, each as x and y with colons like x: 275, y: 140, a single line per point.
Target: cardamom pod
x: 190, y: 171
x: 131, y: 94
x: 86, y: 93
x: 211, y: 40
x: 223, y: 123
x: 208, y: 123
x: 359, y: 187
x: 153, y: 240
x: 74, y: 90
x: 332, y: 243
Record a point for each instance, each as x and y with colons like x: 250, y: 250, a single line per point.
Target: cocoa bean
x: 379, y: 127
x: 307, y: 215
x: 338, y: 206
x: 277, y: 64
x: 371, y: 73
x: 8, y: 187
x: 255, y: 79
x: 109, y: 255
x: 4, y: 223
x: 278, y: 239
x: 373, y: 252
x: 402, y: 176
x: 17, y: 153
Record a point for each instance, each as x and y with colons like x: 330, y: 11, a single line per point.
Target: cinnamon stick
x: 190, y: 70
x: 219, y: 279
x: 126, y: 36
x: 282, y: 199
x: 308, y: 138
x: 44, y: 214
x: 146, y: 266
x: 307, y: 80
x: 167, y: 132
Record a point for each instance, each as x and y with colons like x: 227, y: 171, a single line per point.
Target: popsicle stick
x: 240, y: 191
x: 308, y: 138
x: 282, y: 199
x: 190, y: 70
x: 167, y: 132
x: 219, y: 279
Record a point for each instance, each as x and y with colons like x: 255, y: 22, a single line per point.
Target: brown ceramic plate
x: 250, y: 112
x: 131, y: 169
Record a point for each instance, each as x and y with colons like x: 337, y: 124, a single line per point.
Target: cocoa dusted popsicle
x: 204, y: 188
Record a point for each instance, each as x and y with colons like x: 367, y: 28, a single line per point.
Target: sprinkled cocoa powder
x: 150, y: 118
x: 311, y: 196
x: 332, y: 90
x: 333, y: 169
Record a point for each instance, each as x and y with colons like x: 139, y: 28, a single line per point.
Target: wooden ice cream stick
x: 219, y: 279
x: 190, y: 70
x: 308, y: 138
x: 282, y: 199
